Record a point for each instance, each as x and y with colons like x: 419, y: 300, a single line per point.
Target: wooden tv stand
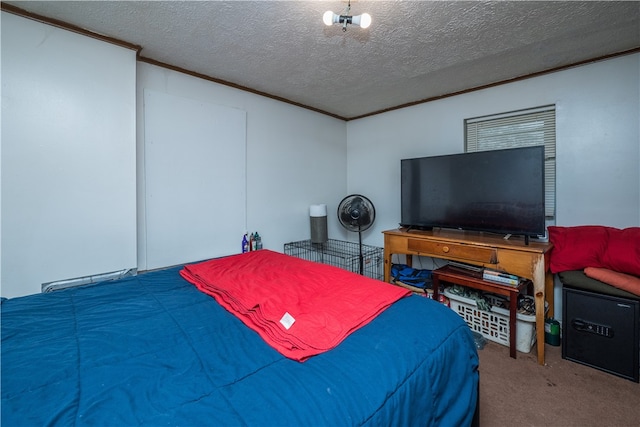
x: 488, y: 250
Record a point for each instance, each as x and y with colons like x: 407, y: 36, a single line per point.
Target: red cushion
x: 575, y: 248
x: 622, y: 281
x: 623, y: 251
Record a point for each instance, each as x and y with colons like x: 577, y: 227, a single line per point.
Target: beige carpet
x: 519, y: 392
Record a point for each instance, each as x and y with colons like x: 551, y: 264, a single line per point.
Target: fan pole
x: 361, y: 259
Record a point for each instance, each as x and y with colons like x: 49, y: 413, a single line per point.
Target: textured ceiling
x: 413, y: 50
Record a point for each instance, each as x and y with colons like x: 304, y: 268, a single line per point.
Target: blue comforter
x: 153, y: 350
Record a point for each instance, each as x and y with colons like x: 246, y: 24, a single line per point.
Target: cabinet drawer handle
x: 445, y: 249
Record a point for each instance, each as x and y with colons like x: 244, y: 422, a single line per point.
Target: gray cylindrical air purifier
x: 318, y: 218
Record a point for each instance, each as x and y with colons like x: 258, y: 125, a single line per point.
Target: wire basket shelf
x: 341, y: 254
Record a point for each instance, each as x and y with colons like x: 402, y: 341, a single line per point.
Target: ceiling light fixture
x: 363, y: 21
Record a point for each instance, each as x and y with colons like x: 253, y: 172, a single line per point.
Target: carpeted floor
x: 519, y: 392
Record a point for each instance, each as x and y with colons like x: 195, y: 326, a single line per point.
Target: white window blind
x: 519, y: 129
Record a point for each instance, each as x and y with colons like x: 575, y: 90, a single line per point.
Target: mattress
x: 154, y: 350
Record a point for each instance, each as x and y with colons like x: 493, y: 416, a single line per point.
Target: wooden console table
x: 487, y: 250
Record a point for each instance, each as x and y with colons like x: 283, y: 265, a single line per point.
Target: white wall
x: 190, y: 147
x: 79, y: 105
x: 598, y: 142
x: 68, y: 156
x: 295, y: 158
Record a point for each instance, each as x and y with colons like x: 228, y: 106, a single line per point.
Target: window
x: 524, y: 128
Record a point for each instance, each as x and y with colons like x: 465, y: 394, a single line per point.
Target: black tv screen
x: 499, y: 191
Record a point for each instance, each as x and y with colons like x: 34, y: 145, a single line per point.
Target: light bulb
x: 363, y: 20
x: 328, y: 18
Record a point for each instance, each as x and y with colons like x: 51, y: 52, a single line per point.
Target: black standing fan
x: 357, y: 213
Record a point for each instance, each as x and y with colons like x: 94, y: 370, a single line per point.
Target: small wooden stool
x: 474, y: 280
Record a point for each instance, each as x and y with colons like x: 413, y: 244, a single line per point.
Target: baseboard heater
x: 86, y: 280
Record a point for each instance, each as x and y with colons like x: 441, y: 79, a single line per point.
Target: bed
x: 154, y: 349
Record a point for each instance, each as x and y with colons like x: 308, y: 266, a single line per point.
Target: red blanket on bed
x: 301, y: 308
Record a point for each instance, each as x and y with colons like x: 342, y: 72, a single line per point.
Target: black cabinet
x: 602, y: 331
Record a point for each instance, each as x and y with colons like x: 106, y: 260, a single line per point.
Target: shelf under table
x: 474, y: 280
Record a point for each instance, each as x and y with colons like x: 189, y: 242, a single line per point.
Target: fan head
x: 356, y: 213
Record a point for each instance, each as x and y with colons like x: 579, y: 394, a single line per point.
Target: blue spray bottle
x: 245, y: 243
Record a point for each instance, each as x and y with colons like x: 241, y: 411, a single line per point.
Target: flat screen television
x: 498, y: 191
